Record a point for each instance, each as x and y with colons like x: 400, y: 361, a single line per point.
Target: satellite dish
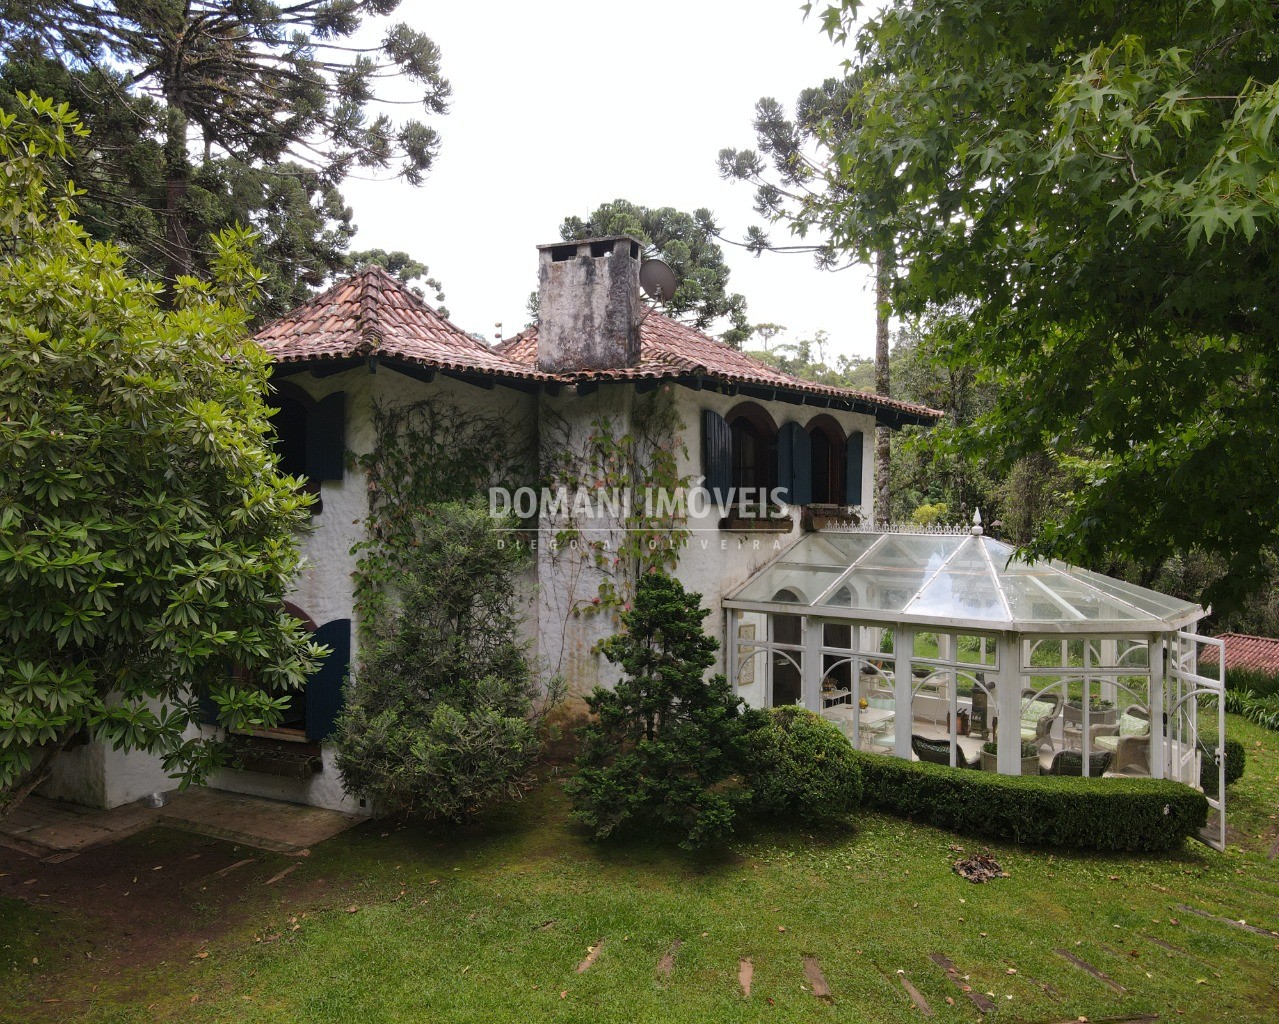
x: 657, y: 280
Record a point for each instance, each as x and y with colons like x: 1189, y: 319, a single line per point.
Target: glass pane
x: 787, y: 678
x: 788, y: 629
x: 751, y: 681
x: 959, y: 595
x: 796, y: 581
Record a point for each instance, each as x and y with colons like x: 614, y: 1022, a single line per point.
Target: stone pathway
x: 54, y: 831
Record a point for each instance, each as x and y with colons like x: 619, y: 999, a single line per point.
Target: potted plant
x: 1029, y: 757
x: 1100, y: 712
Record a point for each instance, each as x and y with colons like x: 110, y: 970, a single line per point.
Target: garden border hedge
x: 1133, y: 815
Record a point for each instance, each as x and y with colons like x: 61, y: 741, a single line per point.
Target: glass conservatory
x: 945, y: 647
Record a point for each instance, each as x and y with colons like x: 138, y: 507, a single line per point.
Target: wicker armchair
x: 1038, y: 713
x: 1071, y: 762
x: 1135, y: 721
x: 938, y: 752
x: 1132, y: 758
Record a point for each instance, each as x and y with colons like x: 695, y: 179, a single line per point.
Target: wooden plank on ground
x: 916, y: 996
x: 745, y: 972
x: 592, y: 954
x: 1085, y: 966
x: 1141, y: 1018
x: 1225, y: 920
x: 1043, y: 986
x: 276, y: 877
x: 223, y: 872
x: 667, y: 963
x: 813, y: 972
x: 952, y: 972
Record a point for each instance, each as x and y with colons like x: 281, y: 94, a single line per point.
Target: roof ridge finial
x: 977, y: 530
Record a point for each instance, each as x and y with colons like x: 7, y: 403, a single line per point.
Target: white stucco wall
x: 713, y: 563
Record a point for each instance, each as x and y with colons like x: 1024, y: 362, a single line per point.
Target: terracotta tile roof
x: 373, y: 313
x: 1244, y: 651
x: 671, y: 349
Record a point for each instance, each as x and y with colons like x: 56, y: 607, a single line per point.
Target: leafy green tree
x: 442, y: 721
x: 667, y: 745
x: 147, y: 537
x: 1095, y: 185
x: 274, y: 90
x: 687, y: 243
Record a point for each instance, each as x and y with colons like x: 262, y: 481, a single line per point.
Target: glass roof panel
x: 960, y: 595
x: 831, y: 549
x: 1146, y: 600
x: 791, y: 581
x: 954, y: 577
x: 885, y: 590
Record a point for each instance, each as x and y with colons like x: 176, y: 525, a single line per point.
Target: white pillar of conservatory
x: 1008, y: 701
x: 812, y: 673
x: 903, y: 645
x: 1155, y: 705
x: 1109, y: 650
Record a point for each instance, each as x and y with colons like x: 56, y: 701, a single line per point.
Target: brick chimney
x: 588, y: 297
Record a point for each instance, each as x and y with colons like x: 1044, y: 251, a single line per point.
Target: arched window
x: 828, y: 460
x: 754, y: 439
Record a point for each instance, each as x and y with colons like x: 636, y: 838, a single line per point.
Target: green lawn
x: 490, y: 927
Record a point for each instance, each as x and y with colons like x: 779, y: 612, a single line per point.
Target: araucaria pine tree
x: 665, y: 749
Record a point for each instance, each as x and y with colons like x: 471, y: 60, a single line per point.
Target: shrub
x: 442, y: 720
x: 1138, y: 815
x: 666, y: 746
x: 1235, y: 760
x: 1256, y: 681
x: 1028, y: 748
x: 801, y: 767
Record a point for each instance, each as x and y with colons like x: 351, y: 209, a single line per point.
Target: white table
x: 871, y: 722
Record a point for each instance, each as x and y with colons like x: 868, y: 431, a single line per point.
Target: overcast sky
x: 561, y: 105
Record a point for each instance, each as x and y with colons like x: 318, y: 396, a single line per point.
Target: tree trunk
x: 177, y: 174
x: 30, y: 779
x: 883, y: 443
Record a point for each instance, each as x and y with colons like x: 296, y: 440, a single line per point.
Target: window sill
x: 817, y: 517
x: 735, y: 522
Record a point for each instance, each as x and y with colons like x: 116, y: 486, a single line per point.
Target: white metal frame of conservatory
x: 858, y: 625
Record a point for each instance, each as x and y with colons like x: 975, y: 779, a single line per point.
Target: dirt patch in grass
x: 158, y: 899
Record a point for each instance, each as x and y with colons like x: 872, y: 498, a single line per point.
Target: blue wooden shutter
x: 853, y: 467
x: 324, y: 689
x: 208, y: 708
x: 325, y: 438
x: 795, y: 464
x: 717, y: 455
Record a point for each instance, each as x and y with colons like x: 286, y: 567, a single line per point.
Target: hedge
x: 1236, y: 758
x: 1136, y: 815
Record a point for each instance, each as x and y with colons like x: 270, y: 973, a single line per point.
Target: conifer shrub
x: 665, y: 751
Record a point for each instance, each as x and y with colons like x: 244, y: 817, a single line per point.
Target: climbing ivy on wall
x: 638, y: 455
x: 426, y: 451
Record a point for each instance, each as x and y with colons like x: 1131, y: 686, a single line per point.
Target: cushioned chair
x: 938, y: 752
x: 1038, y: 713
x: 1071, y: 762
x: 1132, y: 758
x: 1135, y: 721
